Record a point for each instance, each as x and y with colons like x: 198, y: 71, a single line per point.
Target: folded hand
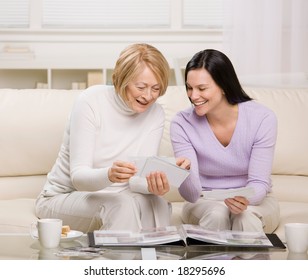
x: 121, y: 171
x: 237, y: 204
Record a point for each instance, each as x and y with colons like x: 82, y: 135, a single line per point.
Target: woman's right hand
x: 237, y: 204
x: 121, y: 171
x: 158, y: 183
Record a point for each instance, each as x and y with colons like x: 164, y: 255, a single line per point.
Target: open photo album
x: 184, y: 235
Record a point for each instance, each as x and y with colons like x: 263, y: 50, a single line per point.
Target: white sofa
x: 32, y: 122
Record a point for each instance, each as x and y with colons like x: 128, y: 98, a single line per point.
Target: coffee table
x: 23, y: 247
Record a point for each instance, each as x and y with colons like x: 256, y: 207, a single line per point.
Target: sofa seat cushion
x: 16, y: 215
x: 21, y: 186
x: 290, y: 188
x: 290, y: 107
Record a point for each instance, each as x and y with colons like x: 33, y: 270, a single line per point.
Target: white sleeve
x: 139, y: 185
x: 83, y: 126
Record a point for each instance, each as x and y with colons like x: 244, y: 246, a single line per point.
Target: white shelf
x: 26, y: 78
x: 56, y: 78
x: 51, y: 78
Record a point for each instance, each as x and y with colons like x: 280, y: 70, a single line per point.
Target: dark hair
x: 222, y: 71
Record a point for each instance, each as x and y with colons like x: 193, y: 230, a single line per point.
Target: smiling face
x: 143, y: 91
x: 203, y: 92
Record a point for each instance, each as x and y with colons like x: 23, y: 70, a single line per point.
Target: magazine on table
x: 184, y: 235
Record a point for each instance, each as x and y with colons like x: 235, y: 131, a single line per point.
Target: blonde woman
x: 108, y: 125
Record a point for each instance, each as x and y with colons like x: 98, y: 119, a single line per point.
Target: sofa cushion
x: 290, y: 188
x: 291, y: 108
x: 17, y: 215
x: 174, y: 100
x: 32, y: 126
x: 21, y: 186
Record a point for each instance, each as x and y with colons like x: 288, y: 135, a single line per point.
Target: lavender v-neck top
x: 246, y: 161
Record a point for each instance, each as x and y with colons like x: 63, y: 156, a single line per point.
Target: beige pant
x: 87, y: 211
x: 215, y: 215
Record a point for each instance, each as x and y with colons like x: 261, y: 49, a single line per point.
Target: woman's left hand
x: 237, y: 204
x: 158, y: 183
x: 183, y: 163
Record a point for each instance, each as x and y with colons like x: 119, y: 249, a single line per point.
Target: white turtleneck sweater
x: 101, y: 130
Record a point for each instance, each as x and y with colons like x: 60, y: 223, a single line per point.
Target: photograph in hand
x: 175, y: 174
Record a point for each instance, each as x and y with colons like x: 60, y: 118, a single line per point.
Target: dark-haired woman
x: 230, y: 140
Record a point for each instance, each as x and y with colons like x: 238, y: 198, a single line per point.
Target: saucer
x: 71, y: 235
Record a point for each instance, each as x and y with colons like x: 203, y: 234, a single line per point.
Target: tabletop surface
x: 23, y: 247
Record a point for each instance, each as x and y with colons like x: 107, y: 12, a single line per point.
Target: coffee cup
x: 296, y: 237
x: 47, y: 231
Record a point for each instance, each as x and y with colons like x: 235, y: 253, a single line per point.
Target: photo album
x: 184, y: 235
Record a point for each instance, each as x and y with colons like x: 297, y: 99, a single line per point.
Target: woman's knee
x: 110, y: 206
x: 247, y: 221
x: 211, y: 216
x: 216, y: 220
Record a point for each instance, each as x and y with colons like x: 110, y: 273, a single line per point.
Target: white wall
x: 48, y: 49
x: 97, y: 49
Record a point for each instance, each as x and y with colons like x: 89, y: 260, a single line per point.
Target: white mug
x: 47, y: 231
x: 297, y: 237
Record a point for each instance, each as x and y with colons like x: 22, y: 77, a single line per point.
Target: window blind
x: 80, y: 14
x: 14, y: 13
x: 106, y: 14
x: 202, y: 14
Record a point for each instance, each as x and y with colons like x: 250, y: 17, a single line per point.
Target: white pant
x: 215, y: 215
x: 87, y: 211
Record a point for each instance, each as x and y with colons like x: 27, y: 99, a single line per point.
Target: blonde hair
x: 132, y: 61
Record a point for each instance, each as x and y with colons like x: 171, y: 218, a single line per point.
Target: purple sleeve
x: 261, y: 159
x: 191, y: 188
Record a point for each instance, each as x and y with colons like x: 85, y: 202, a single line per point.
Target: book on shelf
x: 40, y: 85
x: 184, y: 235
x: 79, y: 85
x: 95, y: 78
